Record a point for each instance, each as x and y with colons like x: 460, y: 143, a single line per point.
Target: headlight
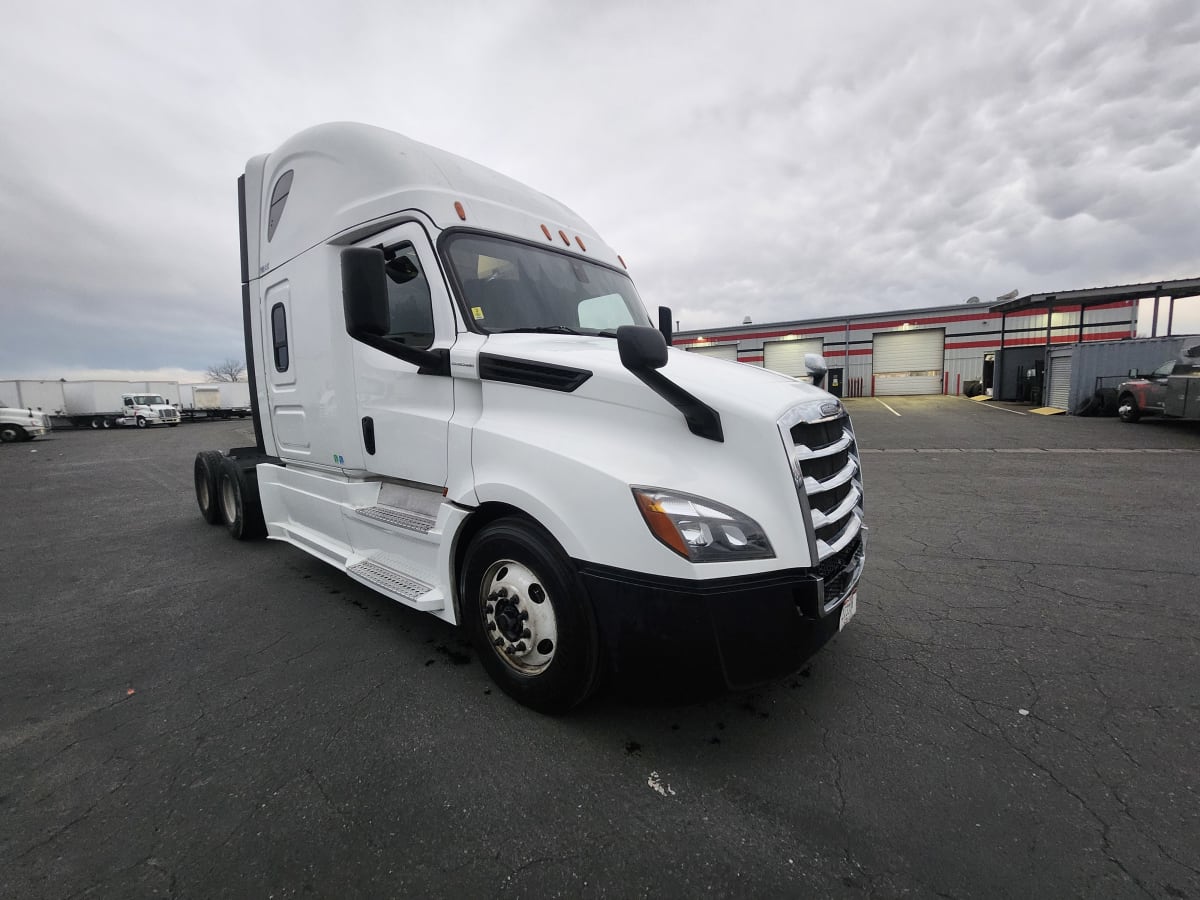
x: 701, y: 530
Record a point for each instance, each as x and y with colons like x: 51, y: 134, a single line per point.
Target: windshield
x: 509, y: 286
x: 148, y: 400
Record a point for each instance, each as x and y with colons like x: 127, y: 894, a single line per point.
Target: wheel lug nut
x: 498, y: 642
x: 491, y: 626
x: 502, y: 593
x: 524, y: 615
x: 526, y: 633
x: 489, y: 609
x: 519, y: 647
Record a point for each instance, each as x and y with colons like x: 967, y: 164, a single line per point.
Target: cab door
x: 404, y: 416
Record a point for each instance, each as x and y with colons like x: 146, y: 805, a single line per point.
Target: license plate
x: 849, y: 608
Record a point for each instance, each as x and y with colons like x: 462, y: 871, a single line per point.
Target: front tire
x: 237, y: 495
x: 529, y: 616
x: 1127, y: 409
x: 10, y: 434
x: 141, y: 422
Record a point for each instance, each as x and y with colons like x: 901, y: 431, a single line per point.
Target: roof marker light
x: 458, y: 208
x: 622, y: 262
x: 566, y: 240
x: 579, y: 241
x: 546, y: 232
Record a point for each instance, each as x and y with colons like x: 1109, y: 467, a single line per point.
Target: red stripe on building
x: 857, y: 351
x: 749, y: 359
x: 994, y: 343
x: 840, y: 327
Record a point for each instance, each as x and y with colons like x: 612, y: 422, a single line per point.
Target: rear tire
x: 517, y: 587
x: 1127, y: 409
x: 206, y: 474
x: 237, y: 494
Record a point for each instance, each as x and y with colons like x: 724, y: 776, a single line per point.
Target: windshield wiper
x: 539, y: 329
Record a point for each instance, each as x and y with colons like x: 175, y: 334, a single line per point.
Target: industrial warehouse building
x: 1005, y: 347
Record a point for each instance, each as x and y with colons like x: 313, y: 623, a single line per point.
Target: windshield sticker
x: 477, y: 312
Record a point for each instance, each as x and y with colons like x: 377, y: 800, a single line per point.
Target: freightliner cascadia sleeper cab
x: 460, y: 401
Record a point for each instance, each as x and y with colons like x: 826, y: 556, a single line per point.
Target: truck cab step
x: 391, y: 581
x: 399, y: 518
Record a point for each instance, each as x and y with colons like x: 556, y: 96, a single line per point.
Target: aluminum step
x: 399, y: 518
x: 409, y: 590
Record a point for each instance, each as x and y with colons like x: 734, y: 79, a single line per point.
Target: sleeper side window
x: 409, y: 302
x: 279, y: 337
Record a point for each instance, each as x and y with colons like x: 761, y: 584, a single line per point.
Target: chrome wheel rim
x: 518, y: 617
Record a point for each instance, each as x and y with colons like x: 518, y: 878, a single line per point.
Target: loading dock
x: 718, y: 351
x: 787, y: 356
x: 909, y: 362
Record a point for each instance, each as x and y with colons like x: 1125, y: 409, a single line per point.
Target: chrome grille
x: 824, y: 460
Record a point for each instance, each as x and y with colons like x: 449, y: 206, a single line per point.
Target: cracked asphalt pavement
x: 1014, y: 712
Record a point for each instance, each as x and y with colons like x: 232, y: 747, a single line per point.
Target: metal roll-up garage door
x: 720, y: 351
x: 908, y: 362
x: 1060, y: 379
x: 787, y: 357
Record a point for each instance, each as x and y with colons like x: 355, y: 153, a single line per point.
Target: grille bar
x: 821, y: 519
x: 802, y: 452
x: 815, y: 486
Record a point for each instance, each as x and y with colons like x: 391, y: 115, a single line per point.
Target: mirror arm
x: 702, y: 420
x: 431, y: 362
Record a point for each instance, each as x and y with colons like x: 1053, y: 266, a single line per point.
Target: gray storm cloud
x: 764, y: 160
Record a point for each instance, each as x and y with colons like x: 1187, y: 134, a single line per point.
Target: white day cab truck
x: 22, y: 424
x: 460, y: 401
x: 107, y: 404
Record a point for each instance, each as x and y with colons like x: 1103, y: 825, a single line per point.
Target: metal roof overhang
x: 1088, y: 297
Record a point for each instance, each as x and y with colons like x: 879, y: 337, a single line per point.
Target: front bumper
x: 733, y: 631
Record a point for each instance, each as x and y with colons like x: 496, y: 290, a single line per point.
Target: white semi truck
x: 460, y: 401
x: 106, y: 404
x: 22, y: 424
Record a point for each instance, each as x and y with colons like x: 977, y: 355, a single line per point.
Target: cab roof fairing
x: 347, y: 174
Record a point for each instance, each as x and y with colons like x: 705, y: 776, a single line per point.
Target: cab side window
x: 409, y: 300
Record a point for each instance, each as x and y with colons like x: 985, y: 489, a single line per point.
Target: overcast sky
x: 773, y: 160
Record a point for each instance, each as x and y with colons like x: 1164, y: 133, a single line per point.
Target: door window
x: 409, y: 303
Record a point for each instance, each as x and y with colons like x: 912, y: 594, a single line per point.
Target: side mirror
x: 368, y: 313
x: 1133, y: 373
x: 815, y: 364
x: 664, y: 323
x: 641, y: 348
x: 364, y: 292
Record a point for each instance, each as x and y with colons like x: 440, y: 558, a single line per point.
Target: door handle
x: 368, y: 426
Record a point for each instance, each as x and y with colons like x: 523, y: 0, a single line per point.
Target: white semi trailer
x: 460, y: 401
x: 215, y: 400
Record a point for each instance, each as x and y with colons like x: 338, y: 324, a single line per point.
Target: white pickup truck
x: 460, y: 401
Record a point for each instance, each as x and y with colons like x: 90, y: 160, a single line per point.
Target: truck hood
x: 744, y: 391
